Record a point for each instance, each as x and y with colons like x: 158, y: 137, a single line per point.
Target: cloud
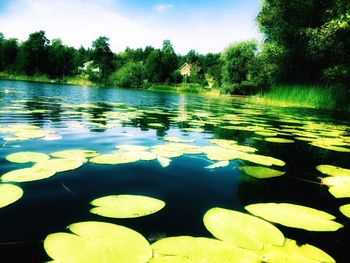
x: 162, y: 7
x: 79, y: 22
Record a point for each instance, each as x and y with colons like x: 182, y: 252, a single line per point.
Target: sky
x: 203, y: 25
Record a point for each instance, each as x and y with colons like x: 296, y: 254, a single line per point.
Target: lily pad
x: 26, y: 157
x: 74, y: 154
x: 296, y: 216
x: 164, y: 162
x: 28, y: 174
x: 115, y: 158
x: 92, y: 242
x: 241, y: 229
x: 260, y: 171
x: 126, y: 206
x: 199, y: 249
x: 128, y: 147
x: 60, y: 164
x: 9, y: 194
x: 175, y: 139
x: 333, y: 170
x: 278, y: 140
x: 345, y: 209
x: 290, y: 252
x: 218, y: 165
x: 262, y: 159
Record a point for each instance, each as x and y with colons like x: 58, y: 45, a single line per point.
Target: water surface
x: 101, y: 118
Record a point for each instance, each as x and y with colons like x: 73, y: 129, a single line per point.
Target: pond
x: 183, y: 136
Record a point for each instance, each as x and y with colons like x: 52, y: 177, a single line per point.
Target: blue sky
x: 203, y: 25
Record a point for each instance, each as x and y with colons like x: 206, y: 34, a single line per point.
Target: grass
x: 308, y: 96
x: 186, y: 88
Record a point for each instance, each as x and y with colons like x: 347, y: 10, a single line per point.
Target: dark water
x: 84, y: 117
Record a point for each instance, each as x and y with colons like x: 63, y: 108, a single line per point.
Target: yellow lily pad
x: 115, y: 158
x: 261, y: 172
x: 241, y: 229
x: 164, y: 162
x: 60, y: 164
x: 75, y: 154
x: 92, y: 242
x: 296, y: 216
x: 126, y: 206
x: 278, y: 140
x: 218, y: 165
x: 333, y: 170
x: 26, y: 157
x: 262, y: 159
x: 128, y: 147
x: 9, y: 194
x: 28, y: 174
x: 345, y: 209
x: 199, y: 249
x: 290, y: 252
x: 175, y: 139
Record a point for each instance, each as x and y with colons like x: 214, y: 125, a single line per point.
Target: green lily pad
x: 241, y: 229
x: 291, y: 252
x: 339, y: 186
x: 262, y: 159
x: 60, y: 164
x: 9, y: 194
x: 26, y: 157
x: 164, y: 162
x: 261, y: 172
x: 218, y: 165
x: 115, y: 158
x: 278, y: 140
x: 296, y: 216
x: 75, y: 154
x: 92, y: 242
x: 126, y: 206
x: 131, y: 148
x: 333, y: 170
x: 175, y: 139
x: 199, y: 249
x: 28, y: 174
x: 345, y: 209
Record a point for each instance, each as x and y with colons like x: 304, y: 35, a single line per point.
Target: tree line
x: 305, y: 41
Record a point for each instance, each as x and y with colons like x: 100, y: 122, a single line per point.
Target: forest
x: 305, y: 43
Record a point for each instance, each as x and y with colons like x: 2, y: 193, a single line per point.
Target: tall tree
x: 103, y: 56
x: 169, y: 61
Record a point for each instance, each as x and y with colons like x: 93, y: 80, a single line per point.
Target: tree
x: 103, y: 56
x: 236, y: 62
x: 131, y: 75
x: 169, y: 61
x: 60, y: 59
x: 154, y: 66
x: 9, y: 50
x: 33, y: 57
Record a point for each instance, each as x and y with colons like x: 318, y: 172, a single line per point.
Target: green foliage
x: 131, y: 75
x: 237, y: 59
x: 103, y: 56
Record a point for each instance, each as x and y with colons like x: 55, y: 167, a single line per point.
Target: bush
x: 131, y: 75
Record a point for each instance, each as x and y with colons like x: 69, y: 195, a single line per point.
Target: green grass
x: 308, y: 96
x: 186, y: 88
x: 35, y: 78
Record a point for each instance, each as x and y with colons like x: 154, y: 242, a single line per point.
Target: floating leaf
x: 60, y: 164
x: 115, y: 158
x: 291, y: 252
x: 75, y: 154
x: 26, y: 157
x: 241, y: 229
x: 199, y: 249
x: 164, y: 162
x: 262, y: 159
x: 126, y: 206
x: 175, y: 139
x: 9, y: 194
x: 93, y: 242
x: 52, y: 137
x: 331, y: 147
x: 278, y: 140
x: 345, y: 209
x: 28, y: 174
x: 218, y: 165
x: 260, y: 172
x: 333, y: 170
x: 132, y: 148
x: 340, y: 191
x: 296, y: 216
x: 145, y: 156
